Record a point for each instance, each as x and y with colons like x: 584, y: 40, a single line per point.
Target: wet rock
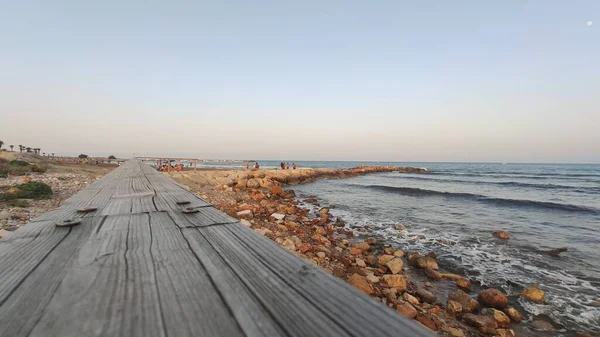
x: 395, y: 281
x: 324, y: 212
x: 339, y: 222
x: 514, y: 314
x: 485, y: 324
x: 493, y: 298
x: 455, y: 332
x: 427, y: 262
x: 453, y: 307
x: 468, y: 303
x: 407, y: 310
x: 432, y: 274
x: 502, y: 235
x: 399, y: 253
x: 360, y: 263
x: 554, y: 252
x: 277, y: 190
x: 534, y: 294
x: 501, y: 318
x: 541, y: 325
x: 412, y: 257
x: 361, y: 283
x: 400, y: 227
x: 426, y: 296
x: 383, y: 259
x: 427, y: 321
x: 355, y: 251
x: 464, y: 284
x: 395, y: 265
x: 410, y: 298
x: 388, y: 251
x: 505, y: 332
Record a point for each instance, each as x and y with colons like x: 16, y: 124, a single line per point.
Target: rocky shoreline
x: 404, y: 281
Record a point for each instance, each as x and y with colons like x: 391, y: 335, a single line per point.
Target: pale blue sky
x: 316, y: 80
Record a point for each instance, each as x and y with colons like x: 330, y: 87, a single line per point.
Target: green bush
x: 34, y: 190
x: 18, y: 163
x: 40, y: 168
x: 31, y: 190
x: 11, y: 170
x: 18, y: 203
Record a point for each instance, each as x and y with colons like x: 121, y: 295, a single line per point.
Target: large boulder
x: 412, y: 258
x: 361, y: 283
x: 395, y: 265
x: 427, y: 262
x: 362, y: 246
x: 468, y: 303
x: 534, y: 294
x: 484, y: 323
x: 493, y: 298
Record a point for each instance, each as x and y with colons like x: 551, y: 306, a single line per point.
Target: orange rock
x: 428, y: 322
x: 304, y: 247
x: 276, y: 190
x: 502, y: 235
x: 363, y: 246
x: 395, y: 281
x: 493, y: 298
x: 407, y: 310
x: 361, y: 283
x: 383, y: 259
x: 355, y: 251
x: 534, y: 294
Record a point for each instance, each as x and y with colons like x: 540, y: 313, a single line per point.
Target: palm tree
x: 44, y: 154
x: 28, y: 149
x: 52, y: 155
x: 21, y: 147
x: 1, y: 144
x: 11, y: 147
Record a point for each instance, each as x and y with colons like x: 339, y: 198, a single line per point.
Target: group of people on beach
x: 286, y: 166
x: 256, y: 165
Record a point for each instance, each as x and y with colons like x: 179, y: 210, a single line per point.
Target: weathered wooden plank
x: 294, y: 314
x: 94, y: 291
x: 192, y: 306
x: 323, y: 292
x: 21, y: 310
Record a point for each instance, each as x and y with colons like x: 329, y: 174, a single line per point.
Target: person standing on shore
x: 282, y: 165
x: 294, y: 166
x: 287, y: 166
x: 247, y: 164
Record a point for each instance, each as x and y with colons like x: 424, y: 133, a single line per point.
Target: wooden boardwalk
x: 140, y: 267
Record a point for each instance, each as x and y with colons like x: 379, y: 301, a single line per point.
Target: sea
x: 453, y: 209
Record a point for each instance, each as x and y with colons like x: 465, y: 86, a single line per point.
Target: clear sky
x: 315, y: 80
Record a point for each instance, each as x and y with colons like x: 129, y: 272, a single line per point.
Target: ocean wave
x: 412, y: 191
x: 502, y: 183
x: 538, y: 176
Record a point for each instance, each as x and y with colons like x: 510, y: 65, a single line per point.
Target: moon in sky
x: 589, y: 23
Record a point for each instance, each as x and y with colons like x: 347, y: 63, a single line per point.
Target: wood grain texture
x: 140, y: 267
